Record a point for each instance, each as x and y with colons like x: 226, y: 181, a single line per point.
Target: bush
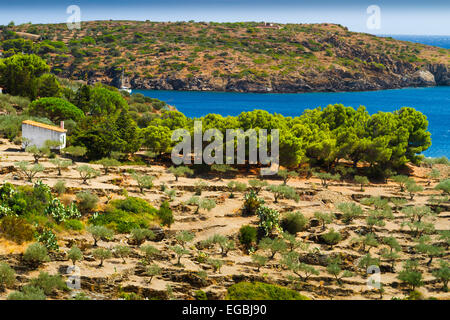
x: 125, y: 215
x: 248, y: 235
x: 60, y: 187
x: 74, y: 224
x: 269, y: 219
x: 47, y: 238
x: 165, y: 214
x: 7, y: 276
x: 28, y: 293
x: 139, y: 235
x: 49, y: 283
x: 60, y: 213
x: 261, y: 291
x: 200, y: 295
x: 251, y: 203
x: 16, y: 229
x: 332, y: 237
x: 294, y: 222
x: 87, y: 201
x: 36, y: 253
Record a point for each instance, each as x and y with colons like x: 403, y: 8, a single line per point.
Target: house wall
x: 38, y: 136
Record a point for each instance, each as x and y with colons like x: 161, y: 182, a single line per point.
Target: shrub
x: 139, y: 235
x: 60, y: 187
x: 332, y: 237
x: 149, y: 252
x: 49, y: 283
x: 261, y: 291
x: 200, y: 295
x: 294, y: 222
x: 268, y: 219
x: 248, y: 235
x: 251, y: 203
x: 165, y: 214
x: 36, y: 253
x: 16, y: 229
x: 73, y: 224
x: 47, y: 238
x: 60, y: 213
x: 28, y: 293
x: 87, y: 201
x: 349, y: 211
x: 7, y: 276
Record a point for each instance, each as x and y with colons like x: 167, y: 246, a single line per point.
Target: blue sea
x: 433, y: 102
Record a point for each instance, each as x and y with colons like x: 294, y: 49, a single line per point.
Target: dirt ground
x: 225, y: 219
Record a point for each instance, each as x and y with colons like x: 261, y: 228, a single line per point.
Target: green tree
x: 184, y: 237
x: 61, y: 164
x: 259, y: 260
x: 413, y: 188
x: 102, y: 254
x: 128, y: 133
x: 180, y: 171
x: 179, y: 252
x: 286, y: 175
x: 74, y: 254
x: 87, y: 173
x: 100, y: 233
x: 324, y: 217
x: 122, y: 251
x: 29, y: 171
x: 334, y: 268
x: 349, y: 211
x: 236, y: 186
x: 443, y: 274
x: 153, y: 271
x: 411, y: 274
x: 19, y: 74
x: 274, y: 246
x: 48, y: 86
x: 38, y: 152
x: 55, y: 109
x: 283, y: 191
x: 157, y: 139
x: 143, y: 181
x: 362, y: 181
x: 108, y: 163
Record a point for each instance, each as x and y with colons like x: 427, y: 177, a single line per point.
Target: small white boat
x: 122, y: 87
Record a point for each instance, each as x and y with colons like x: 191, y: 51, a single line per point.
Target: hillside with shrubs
x: 242, y: 57
x: 111, y: 217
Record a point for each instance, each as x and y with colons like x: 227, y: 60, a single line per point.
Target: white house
x: 36, y: 133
